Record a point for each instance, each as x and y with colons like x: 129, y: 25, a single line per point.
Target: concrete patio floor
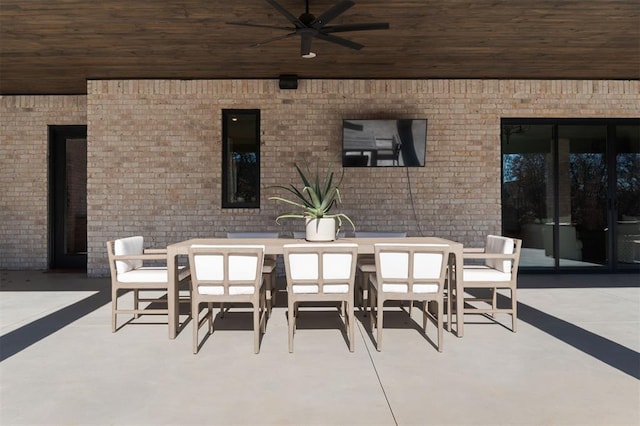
x: 574, y: 361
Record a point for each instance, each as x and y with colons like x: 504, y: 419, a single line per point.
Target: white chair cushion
x: 403, y: 288
x: 151, y: 274
x: 313, y: 288
x: 209, y: 267
x: 425, y: 288
x: 394, y: 265
x: 484, y: 274
x: 501, y: 245
x: 336, y: 266
x: 217, y: 290
x: 128, y: 246
x: 304, y: 266
x: 427, y: 266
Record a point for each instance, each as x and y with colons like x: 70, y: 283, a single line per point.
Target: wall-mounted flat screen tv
x: 384, y: 143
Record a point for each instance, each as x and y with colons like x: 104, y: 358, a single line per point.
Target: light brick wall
x: 23, y: 173
x: 154, y: 149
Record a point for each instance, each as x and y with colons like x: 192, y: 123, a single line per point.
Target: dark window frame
x: 226, y: 202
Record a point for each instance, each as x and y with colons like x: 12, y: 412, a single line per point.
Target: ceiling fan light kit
x: 308, y: 27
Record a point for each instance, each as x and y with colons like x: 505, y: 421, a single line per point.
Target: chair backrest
x: 365, y: 234
x: 500, y: 245
x: 226, y: 265
x: 253, y: 234
x: 123, y: 247
x: 411, y: 264
x: 320, y: 264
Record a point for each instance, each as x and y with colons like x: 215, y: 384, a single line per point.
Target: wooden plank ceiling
x: 54, y: 46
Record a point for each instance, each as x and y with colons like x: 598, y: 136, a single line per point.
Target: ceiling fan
x: 308, y: 26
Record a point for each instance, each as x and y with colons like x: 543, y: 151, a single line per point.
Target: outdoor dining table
x: 275, y: 246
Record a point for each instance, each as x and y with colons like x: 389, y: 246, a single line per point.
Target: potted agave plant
x: 314, y: 201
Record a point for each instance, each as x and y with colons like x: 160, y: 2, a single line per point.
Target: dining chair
x: 409, y: 272
x: 269, y: 266
x: 367, y: 265
x: 130, y: 270
x: 321, y: 272
x: 227, y: 274
x: 498, y: 269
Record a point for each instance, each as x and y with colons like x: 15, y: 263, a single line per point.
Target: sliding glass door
x: 570, y: 190
x: 626, y: 203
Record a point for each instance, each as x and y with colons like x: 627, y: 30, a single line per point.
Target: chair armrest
x: 140, y: 257
x: 155, y: 251
x: 473, y: 250
x: 502, y: 256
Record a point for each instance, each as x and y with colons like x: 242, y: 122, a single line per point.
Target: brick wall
x: 154, y: 152
x: 23, y: 173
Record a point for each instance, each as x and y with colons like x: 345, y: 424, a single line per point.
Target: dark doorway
x: 68, y: 197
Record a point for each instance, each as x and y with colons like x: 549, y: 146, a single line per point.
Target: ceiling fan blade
x: 273, y: 39
x: 249, y: 24
x: 356, y: 27
x: 339, y: 40
x: 305, y: 43
x: 295, y: 21
x: 331, y: 14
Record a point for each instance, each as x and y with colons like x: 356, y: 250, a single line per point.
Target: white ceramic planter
x: 323, y: 229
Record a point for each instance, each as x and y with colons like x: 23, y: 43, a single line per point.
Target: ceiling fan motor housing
x: 307, y: 18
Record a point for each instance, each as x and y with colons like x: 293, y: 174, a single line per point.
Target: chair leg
x: 263, y: 313
x: 114, y: 309
x: 379, y: 318
x: 448, y: 296
x: 425, y: 315
x: 371, y: 297
x: 256, y: 328
x: 440, y: 327
x: 357, y: 290
x: 514, y: 310
x: 494, y: 301
x: 195, y: 317
x: 274, y: 289
x: 210, y: 315
x: 136, y: 303
x: 291, y: 316
x: 270, y: 291
x: 365, y: 292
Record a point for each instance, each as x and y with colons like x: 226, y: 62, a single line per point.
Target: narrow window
x: 241, y: 158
